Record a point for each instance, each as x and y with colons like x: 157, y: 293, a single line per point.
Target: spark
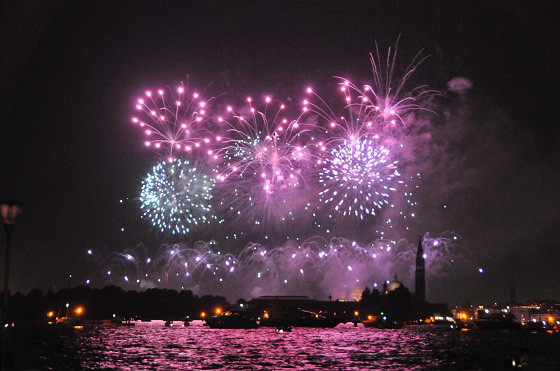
x: 358, y: 177
x: 176, y: 196
x: 173, y: 119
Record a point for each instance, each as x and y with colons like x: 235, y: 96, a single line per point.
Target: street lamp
x: 10, y: 211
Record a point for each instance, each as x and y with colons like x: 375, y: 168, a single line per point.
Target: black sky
x: 71, y: 71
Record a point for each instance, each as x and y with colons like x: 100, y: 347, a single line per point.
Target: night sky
x: 71, y: 72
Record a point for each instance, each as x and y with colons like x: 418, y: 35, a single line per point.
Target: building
x: 393, y: 285
x: 420, y: 275
x: 344, y: 310
x: 419, y: 307
x: 535, y: 313
x: 419, y: 278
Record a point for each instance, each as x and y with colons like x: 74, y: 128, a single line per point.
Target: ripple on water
x: 152, y: 346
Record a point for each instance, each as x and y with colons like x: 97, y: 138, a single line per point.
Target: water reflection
x: 154, y: 346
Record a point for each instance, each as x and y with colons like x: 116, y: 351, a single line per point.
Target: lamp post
x: 10, y: 210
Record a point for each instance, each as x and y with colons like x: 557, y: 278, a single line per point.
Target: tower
x: 512, y: 296
x: 420, y: 276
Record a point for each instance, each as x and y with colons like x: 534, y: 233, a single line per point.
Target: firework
x: 176, y: 196
x: 266, y: 139
x: 378, y: 109
x: 174, y: 120
x: 355, y: 121
x: 266, y: 159
x: 358, y: 177
x: 388, y: 95
x: 385, y: 102
x: 443, y: 252
x: 338, y: 266
x: 283, y: 173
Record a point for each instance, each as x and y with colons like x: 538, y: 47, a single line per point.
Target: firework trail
x: 358, y: 169
x: 316, y: 267
x: 277, y: 172
x: 388, y: 95
x: 265, y: 139
x: 266, y: 165
x: 358, y: 166
x: 358, y: 177
x: 377, y: 109
x: 174, y: 120
x: 176, y: 196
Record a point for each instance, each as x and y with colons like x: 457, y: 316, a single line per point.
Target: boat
x: 117, y: 322
x: 437, y: 323
x: 382, y: 323
x: 540, y: 327
x: 67, y: 321
x: 386, y: 325
x: 297, y: 318
x: 282, y: 329
x: 112, y: 323
x: 231, y: 320
x: 500, y: 322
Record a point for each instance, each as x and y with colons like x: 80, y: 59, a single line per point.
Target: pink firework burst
x: 264, y: 158
x: 174, y: 120
x: 378, y: 109
x: 389, y: 98
x: 263, y: 142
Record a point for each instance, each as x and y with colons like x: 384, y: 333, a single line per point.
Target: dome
x: 395, y: 284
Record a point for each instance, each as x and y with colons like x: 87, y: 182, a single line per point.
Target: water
x: 153, y: 346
